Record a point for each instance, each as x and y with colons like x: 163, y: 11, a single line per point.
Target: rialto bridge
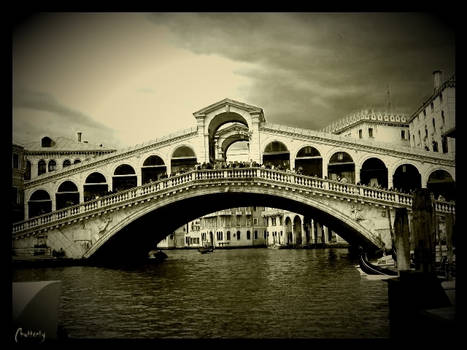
x: 122, y: 203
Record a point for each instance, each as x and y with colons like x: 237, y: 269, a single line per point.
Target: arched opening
x: 374, y: 173
x: 152, y: 170
x: 341, y: 167
x: 77, y: 161
x: 442, y: 185
x: 39, y: 203
x: 47, y: 142
x: 124, y: 178
x: 67, y: 195
x: 183, y: 159
x: 95, y: 186
x: 276, y: 155
x: 52, y: 165
x: 309, y: 162
x: 66, y: 163
x: 41, y: 167
x: 288, y: 231
x: 217, y: 123
x: 407, y: 178
x: 297, y: 230
x: 238, y: 151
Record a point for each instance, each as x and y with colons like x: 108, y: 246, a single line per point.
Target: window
x: 403, y: 134
x: 444, y: 144
x: 248, y: 235
x: 426, y: 132
x: 228, y: 235
x: 434, y: 125
x: 435, y: 146
x: 256, y: 234
x: 66, y: 163
x: 424, y: 112
x: 273, y: 221
x: 370, y: 132
x: 264, y: 234
x: 360, y: 133
x: 440, y: 97
x: 41, y: 167
x: 255, y: 221
x: 432, y: 106
x: 238, y: 235
x: 442, y: 117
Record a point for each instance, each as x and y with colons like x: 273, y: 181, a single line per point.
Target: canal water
x: 238, y: 293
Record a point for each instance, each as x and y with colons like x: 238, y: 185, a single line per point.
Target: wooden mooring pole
x: 402, y: 243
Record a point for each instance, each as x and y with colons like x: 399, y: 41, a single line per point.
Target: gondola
x: 371, y: 269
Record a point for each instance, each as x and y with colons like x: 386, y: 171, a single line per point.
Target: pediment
x: 224, y: 106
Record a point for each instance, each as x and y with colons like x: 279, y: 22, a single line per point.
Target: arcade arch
x: 95, y: 185
x: 276, y: 154
x: 341, y: 165
x: 309, y: 161
x: 183, y: 158
x: 152, y: 170
x: 39, y: 203
x: 441, y: 183
x: 67, y: 195
x: 374, y: 172
x: 124, y: 178
x: 406, y: 178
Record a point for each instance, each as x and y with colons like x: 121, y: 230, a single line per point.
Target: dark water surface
x: 241, y: 293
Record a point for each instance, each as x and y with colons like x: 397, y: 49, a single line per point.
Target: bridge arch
x: 134, y: 232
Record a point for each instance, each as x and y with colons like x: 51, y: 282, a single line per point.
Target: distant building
x: 17, y: 185
x: 51, y: 154
x: 433, y: 125
x: 373, y: 125
x: 231, y: 228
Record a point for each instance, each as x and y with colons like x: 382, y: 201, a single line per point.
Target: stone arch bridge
x: 118, y: 203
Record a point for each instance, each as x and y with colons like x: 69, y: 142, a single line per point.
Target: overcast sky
x: 127, y: 78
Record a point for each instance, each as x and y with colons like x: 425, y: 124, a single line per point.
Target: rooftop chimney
x: 79, y: 136
x: 437, y: 77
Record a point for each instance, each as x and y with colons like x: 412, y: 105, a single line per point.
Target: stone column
x: 326, y: 234
x: 255, y: 142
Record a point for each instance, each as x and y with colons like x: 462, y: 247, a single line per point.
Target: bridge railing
x: 276, y: 176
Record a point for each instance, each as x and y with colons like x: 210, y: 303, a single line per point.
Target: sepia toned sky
x: 127, y: 78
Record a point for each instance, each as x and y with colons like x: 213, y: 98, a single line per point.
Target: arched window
x: 441, y: 183
x: 77, y: 161
x: 374, y: 173
x: 52, y: 165
x: 46, y: 142
x: 238, y: 235
x: 407, y: 178
x: 66, y: 163
x: 41, y: 167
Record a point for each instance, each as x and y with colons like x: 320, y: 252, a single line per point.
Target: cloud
x: 312, y: 68
x: 37, y: 113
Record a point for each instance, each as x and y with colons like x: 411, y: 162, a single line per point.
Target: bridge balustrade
x: 237, y: 173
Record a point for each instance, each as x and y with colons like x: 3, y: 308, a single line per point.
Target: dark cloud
x: 319, y: 67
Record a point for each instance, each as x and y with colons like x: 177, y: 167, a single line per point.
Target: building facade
x: 17, y: 185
